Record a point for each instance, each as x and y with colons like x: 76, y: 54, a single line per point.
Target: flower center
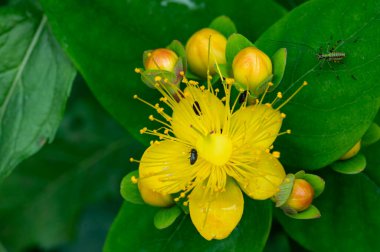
x: 215, y: 148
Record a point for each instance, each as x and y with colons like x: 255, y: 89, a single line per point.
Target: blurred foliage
x: 43, y: 200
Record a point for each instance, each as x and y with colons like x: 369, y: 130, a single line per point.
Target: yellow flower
x: 209, y: 152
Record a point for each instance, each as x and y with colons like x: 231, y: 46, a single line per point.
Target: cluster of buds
x: 222, y: 53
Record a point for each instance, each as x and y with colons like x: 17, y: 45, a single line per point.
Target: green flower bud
x: 197, y: 51
x: 251, y: 69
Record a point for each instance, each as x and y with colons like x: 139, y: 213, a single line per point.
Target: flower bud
x: 352, y: 152
x: 197, y: 51
x: 301, y: 196
x: 154, y: 198
x: 251, y: 68
x: 161, y: 59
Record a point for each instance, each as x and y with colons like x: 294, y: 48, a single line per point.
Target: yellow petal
x: 216, y: 215
x: 198, y: 113
x: 255, y: 126
x: 165, y: 168
x: 263, y: 176
x: 154, y: 198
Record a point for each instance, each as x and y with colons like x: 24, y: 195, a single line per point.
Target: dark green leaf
x: 133, y: 230
x: 106, y: 40
x: 166, y: 217
x: 353, y: 165
x: 372, y: 135
x: 334, y: 111
x: 223, y: 25
x: 129, y: 190
x: 35, y: 81
x: 43, y: 199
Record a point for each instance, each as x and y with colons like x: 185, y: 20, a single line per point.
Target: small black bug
x: 193, y: 156
x: 243, y: 96
x: 197, y: 108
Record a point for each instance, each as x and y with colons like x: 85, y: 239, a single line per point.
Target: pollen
x: 134, y: 180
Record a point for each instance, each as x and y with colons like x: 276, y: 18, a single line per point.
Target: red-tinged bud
x: 301, y: 196
x: 161, y: 59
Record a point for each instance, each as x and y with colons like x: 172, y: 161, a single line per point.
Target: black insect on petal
x: 197, y: 108
x: 193, y: 156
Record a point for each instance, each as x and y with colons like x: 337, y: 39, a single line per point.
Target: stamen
x: 265, y: 92
x: 278, y: 97
x: 276, y: 154
x: 292, y: 96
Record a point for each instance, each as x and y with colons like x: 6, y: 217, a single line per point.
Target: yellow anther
x: 217, y: 90
x: 131, y: 159
x: 223, y: 99
x: 166, y: 80
x: 182, y: 195
x: 202, y: 88
x: 289, y: 131
x: 276, y: 154
x: 305, y: 83
x: 160, y: 110
x: 151, y: 142
x: 143, y: 130
x: 176, y: 199
x: 134, y: 180
x: 157, y: 85
x: 151, y: 117
x: 283, y: 115
x: 270, y: 84
x: 230, y: 81
x: 135, y: 96
x: 279, y: 95
x: 137, y: 70
x: 157, y: 78
x: 186, y: 203
x: 194, y: 83
x: 182, y: 73
x: 166, y: 131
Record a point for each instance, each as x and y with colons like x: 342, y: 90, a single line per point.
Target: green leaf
x: 129, y: 190
x: 133, y: 230
x: 236, y: 43
x: 35, y: 81
x: 49, y: 192
x: 311, y: 213
x: 316, y: 182
x: 166, y: 217
x: 334, y: 111
x: 372, y: 135
x: 279, y: 64
x: 224, y: 25
x: 353, y: 165
x: 105, y: 40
